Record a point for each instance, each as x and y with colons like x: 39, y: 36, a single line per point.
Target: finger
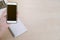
x: 4, y: 13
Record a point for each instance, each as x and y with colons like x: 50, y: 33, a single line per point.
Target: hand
x: 3, y: 24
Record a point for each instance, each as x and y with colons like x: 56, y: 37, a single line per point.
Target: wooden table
x: 41, y: 18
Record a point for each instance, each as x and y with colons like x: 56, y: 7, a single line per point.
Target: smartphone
x: 11, y: 12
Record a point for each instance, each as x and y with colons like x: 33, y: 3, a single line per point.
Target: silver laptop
x: 2, y: 4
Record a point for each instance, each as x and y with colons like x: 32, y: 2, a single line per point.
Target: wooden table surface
x: 41, y: 18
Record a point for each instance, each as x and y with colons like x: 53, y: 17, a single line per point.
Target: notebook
x: 18, y: 28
